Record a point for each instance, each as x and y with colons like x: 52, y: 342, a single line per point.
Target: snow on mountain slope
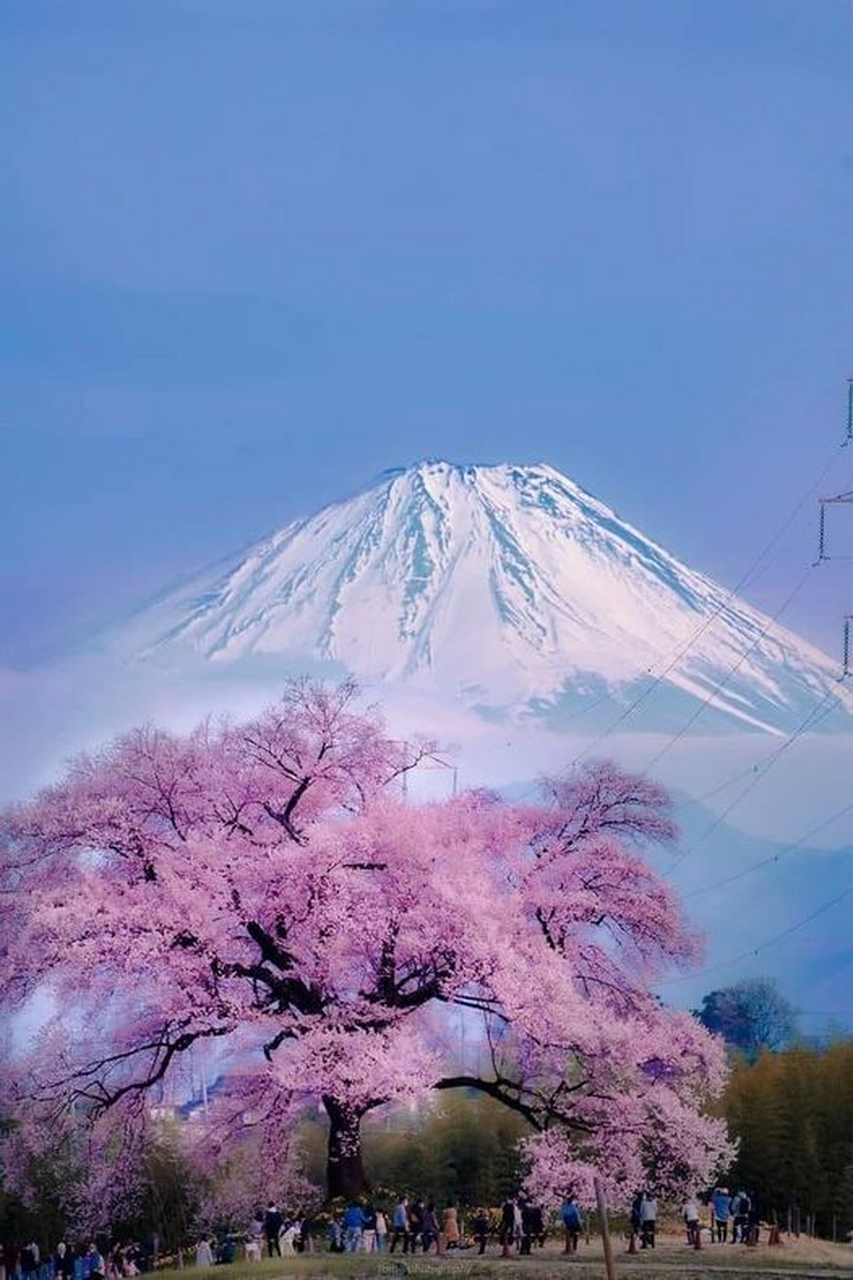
x: 507, y: 586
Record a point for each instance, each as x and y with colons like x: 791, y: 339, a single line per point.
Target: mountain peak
x: 504, y: 584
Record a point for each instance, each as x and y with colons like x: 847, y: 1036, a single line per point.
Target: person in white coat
x: 690, y: 1214
x: 288, y: 1240
x: 203, y: 1254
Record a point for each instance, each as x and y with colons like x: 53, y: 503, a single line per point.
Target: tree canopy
x: 266, y: 889
x: 792, y: 1113
x: 751, y: 1015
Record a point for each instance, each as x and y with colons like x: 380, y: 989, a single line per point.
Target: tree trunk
x: 344, y: 1170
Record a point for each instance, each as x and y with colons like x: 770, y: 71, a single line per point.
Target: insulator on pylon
x: 839, y: 499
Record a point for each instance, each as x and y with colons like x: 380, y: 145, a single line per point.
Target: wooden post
x: 605, y: 1231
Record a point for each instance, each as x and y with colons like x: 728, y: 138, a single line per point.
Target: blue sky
x: 256, y: 252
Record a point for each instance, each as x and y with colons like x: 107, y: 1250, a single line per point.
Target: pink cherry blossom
x: 265, y: 890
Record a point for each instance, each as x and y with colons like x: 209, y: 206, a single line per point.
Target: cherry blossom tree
x: 242, y: 1148
x: 265, y: 890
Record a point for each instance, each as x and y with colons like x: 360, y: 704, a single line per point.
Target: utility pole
x: 604, y: 1225
x: 838, y: 500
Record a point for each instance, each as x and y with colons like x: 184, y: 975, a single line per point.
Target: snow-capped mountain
x: 509, y: 587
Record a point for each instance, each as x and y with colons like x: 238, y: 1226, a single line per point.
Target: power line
x: 770, y: 942
x: 687, y: 645
x: 752, y: 572
x: 759, y: 771
x: 721, y: 684
x: 755, y: 768
x: 773, y: 857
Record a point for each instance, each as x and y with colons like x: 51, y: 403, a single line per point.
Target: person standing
x: 572, y: 1222
x: 63, y: 1262
x: 381, y: 1231
x: 482, y: 1226
x: 203, y: 1254
x: 288, y: 1239
x: 430, y: 1228
x: 11, y: 1254
x: 29, y: 1261
x: 400, y: 1225
x: 537, y: 1224
x: 739, y: 1210
x: 353, y: 1225
x: 648, y: 1220
x: 753, y: 1220
x: 507, y: 1227
x: 635, y: 1217
x: 416, y: 1223
x: 273, y: 1223
x: 690, y: 1214
x: 97, y: 1266
x: 254, y: 1237
x: 721, y: 1205
x: 450, y: 1227
x: 517, y: 1229
x: 336, y: 1244
x: 527, y: 1228
x: 368, y: 1230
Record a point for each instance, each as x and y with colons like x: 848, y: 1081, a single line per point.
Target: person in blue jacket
x: 721, y: 1205
x: 572, y: 1222
x: 353, y: 1226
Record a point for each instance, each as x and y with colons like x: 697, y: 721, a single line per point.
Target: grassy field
x: 804, y: 1258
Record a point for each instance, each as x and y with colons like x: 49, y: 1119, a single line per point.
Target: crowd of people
x: 419, y: 1225
x: 281, y: 1235
x: 67, y: 1262
x: 414, y: 1225
x: 740, y: 1210
x: 738, y: 1213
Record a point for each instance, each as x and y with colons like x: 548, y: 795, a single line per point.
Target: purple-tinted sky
x: 256, y: 252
